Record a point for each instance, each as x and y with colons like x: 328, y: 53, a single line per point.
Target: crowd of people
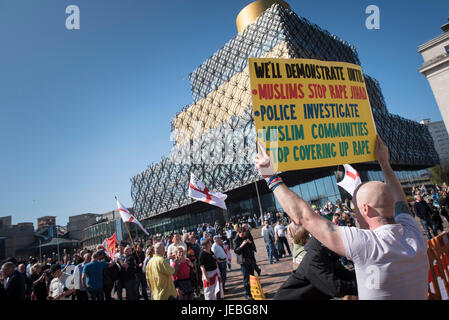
x: 370, y: 247
x: 184, y: 265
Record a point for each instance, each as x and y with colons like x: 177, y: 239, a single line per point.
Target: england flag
x: 351, y: 180
x: 128, y: 217
x: 198, y: 191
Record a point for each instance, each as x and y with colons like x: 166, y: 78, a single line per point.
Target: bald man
x: 389, y: 251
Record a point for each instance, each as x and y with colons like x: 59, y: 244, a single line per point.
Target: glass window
x: 321, y: 188
x: 304, y: 192
x: 312, y: 190
x: 329, y: 185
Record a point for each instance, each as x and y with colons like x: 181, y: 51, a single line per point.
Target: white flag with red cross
x: 128, y: 217
x: 198, y: 191
x: 351, y: 180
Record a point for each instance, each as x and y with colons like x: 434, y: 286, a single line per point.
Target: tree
x: 439, y: 174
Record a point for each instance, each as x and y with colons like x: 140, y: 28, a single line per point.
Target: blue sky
x: 83, y: 111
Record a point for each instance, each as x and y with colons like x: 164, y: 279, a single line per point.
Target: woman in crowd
x: 39, y: 279
x: 212, y: 282
x: 182, y: 278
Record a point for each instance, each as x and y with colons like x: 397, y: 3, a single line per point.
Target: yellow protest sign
x: 256, y: 289
x: 311, y: 113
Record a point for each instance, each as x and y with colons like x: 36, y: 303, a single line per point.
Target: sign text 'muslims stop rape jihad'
x: 311, y: 113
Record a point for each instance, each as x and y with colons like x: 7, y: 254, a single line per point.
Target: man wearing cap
x: 57, y: 289
x: 217, y: 249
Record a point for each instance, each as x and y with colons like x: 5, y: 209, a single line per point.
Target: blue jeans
x: 272, y: 252
x: 222, y: 266
x: 427, y: 224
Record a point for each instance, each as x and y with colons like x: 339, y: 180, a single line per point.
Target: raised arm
x: 400, y: 200
x: 298, y: 210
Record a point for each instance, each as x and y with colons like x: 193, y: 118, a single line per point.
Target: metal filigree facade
x: 215, y: 136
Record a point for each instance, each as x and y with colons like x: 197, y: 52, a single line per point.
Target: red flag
x: 112, y: 245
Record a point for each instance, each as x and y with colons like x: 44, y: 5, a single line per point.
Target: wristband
x: 274, y: 182
x: 271, y: 179
x: 277, y: 185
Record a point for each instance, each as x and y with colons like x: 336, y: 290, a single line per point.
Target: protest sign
x: 311, y: 113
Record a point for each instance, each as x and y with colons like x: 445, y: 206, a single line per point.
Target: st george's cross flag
x: 351, y: 180
x: 128, y: 217
x: 198, y: 191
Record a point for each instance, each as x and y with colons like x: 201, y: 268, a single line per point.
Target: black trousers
x: 247, y: 269
x: 284, y: 242
x: 142, y: 281
x: 81, y: 295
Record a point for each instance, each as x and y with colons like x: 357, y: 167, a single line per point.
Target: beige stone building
x: 436, y: 69
x: 16, y: 238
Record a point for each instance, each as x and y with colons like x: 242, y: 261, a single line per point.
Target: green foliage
x: 439, y: 175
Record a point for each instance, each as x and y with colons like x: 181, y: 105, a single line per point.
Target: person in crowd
x: 31, y: 261
x: 171, y: 251
x: 424, y: 214
x: 80, y: 291
x: 212, y: 281
x: 182, y: 278
x: 39, y: 281
x: 269, y: 239
x: 299, y: 241
x: 291, y: 231
x: 120, y: 256
x: 243, y: 248
x: 110, y: 276
x: 129, y: 274
x: 227, y: 250
x: 389, y: 251
x: 249, y: 236
x: 280, y: 232
x: 159, y: 275
x: 220, y: 255
x: 57, y: 289
x: 92, y: 276
x: 140, y: 275
x: 13, y: 281
x: 444, y: 205
x: 319, y: 276
x: 194, y: 251
x: 28, y: 283
x: 435, y: 215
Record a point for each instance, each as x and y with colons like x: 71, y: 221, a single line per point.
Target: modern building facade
x: 440, y: 138
x: 435, y: 68
x: 215, y: 135
x: 105, y: 227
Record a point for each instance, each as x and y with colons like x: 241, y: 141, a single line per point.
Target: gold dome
x: 251, y: 12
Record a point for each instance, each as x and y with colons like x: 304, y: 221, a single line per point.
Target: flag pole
x: 132, y: 240
x: 130, y: 236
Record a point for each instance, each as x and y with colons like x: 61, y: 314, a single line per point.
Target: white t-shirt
x: 280, y: 230
x: 57, y: 287
x: 218, y: 251
x: 390, y: 262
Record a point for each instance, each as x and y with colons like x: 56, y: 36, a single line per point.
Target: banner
x: 256, y: 288
x: 311, y: 113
